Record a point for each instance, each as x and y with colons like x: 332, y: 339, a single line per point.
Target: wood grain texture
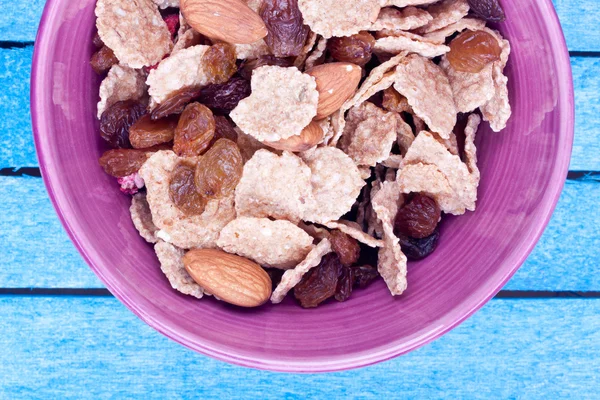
x: 37, y: 252
x: 16, y: 140
x: 65, y: 347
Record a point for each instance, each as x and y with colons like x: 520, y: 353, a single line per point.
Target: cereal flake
x: 471, y: 90
x: 394, y: 20
x: 439, y: 36
x: 166, y: 3
x: 339, y: 17
x: 171, y: 264
x: 406, y: 41
x: 121, y: 83
x: 444, y: 13
x: 142, y: 217
x: 317, y: 56
x: 406, y: 3
x: 354, y: 230
x: 300, y: 60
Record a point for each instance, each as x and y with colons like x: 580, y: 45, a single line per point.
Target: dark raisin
x: 182, y: 190
x: 356, y: 49
x: 287, y: 32
x: 103, y: 60
x: 176, y: 102
x: 223, y: 130
x: 418, y: 218
x: 345, y: 284
x: 417, y: 249
x: 347, y: 248
x: 364, y: 274
x: 490, y: 10
x: 97, y: 41
x: 116, y: 121
x: 224, y: 97
x: 320, y: 283
x: 249, y: 66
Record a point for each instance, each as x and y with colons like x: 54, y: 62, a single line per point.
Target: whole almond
x: 233, y: 279
x: 336, y: 83
x: 231, y: 21
x: 309, y: 137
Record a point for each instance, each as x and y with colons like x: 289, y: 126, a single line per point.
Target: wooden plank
x: 566, y: 258
x: 64, y: 347
x: 578, y: 19
x: 16, y: 141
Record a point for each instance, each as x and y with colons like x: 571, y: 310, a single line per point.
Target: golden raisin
x: 195, y: 130
x: 219, y: 62
x: 356, y: 49
x: 219, y: 170
x: 122, y: 162
x: 471, y: 51
x: 147, y: 133
x: 182, y: 189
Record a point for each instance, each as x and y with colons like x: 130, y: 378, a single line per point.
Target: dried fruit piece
x: 320, y: 283
x: 182, y: 189
x: 172, y: 21
x: 195, y: 130
x: 417, y: 249
x: 224, y: 97
x: 176, y: 102
x: 218, y: 63
x: 287, y: 32
x: 347, y: 248
x: 103, y: 60
x: 116, y: 121
x: 122, y: 162
x: 490, y: 10
x: 418, y: 218
x: 339, y: 17
x: 219, y: 170
x: 345, y: 284
x: 97, y: 41
x: 146, y: 133
x: 471, y: 51
x: 223, y: 130
x: 356, y: 49
x: 364, y: 274
x: 121, y: 83
x: 250, y: 65
x: 336, y: 83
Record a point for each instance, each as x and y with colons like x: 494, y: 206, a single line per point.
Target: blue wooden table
x: 63, y: 335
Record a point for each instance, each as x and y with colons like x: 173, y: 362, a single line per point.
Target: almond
x: 233, y: 279
x: 231, y: 21
x: 309, y: 137
x: 336, y: 83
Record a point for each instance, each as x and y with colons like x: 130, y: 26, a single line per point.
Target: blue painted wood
x: 66, y: 347
x: 566, y: 258
x: 17, y: 149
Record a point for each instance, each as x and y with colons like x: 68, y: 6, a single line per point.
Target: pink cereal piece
x: 339, y: 17
x: 354, y: 230
x: 369, y: 134
x: 171, y: 264
x: 134, y: 30
x: 444, y: 13
x: 275, y: 244
x: 292, y: 277
x: 439, y: 36
x: 186, y: 232
x: 406, y: 41
x: 131, y: 184
x: 406, y: 19
x: 142, y: 217
x: 122, y: 83
x: 428, y: 91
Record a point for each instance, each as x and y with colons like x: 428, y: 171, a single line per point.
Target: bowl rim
x: 459, y: 314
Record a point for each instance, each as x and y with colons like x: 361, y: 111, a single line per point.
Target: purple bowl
x: 523, y: 171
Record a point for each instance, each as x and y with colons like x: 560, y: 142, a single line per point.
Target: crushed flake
x: 171, y: 264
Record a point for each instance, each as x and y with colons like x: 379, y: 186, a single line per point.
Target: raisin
x: 147, y: 132
x: 223, y: 130
x: 490, y: 10
x: 122, y: 162
x: 224, y: 97
x: 219, y: 170
x: 172, y: 21
x: 249, y: 66
x: 116, y: 121
x: 417, y: 249
x: 219, y: 63
x: 194, y: 131
x: 394, y: 101
x: 356, y: 49
x: 320, y: 283
x: 418, y: 218
x: 182, y: 190
x: 347, y: 248
x: 97, y: 41
x: 287, y: 32
x: 471, y: 51
x: 345, y: 284
x: 176, y: 102
x: 364, y: 274
x: 103, y: 60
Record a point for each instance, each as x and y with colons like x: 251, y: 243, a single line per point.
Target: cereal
x: 274, y: 186
x: 316, y: 56
x: 405, y: 135
x: 427, y: 179
x: 439, y: 36
x: 497, y: 111
x: 274, y: 244
x: 251, y: 50
x: 335, y: 182
x: 198, y: 231
x: 327, y: 128
x: 406, y: 41
x: 300, y: 60
x: 428, y: 91
x: 406, y: 3
x: 339, y: 17
x: 291, y: 277
x: 470, y: 151
x: 248, y: 145
x: 451, y: 143
x: 142, y: 217
x: 314, y: 231
x: 369, y: 134
x: 282, y: 103
x: 471, y: 90
x: 393, y: 161
x: 395, y: 20
x: 354, y: 230
x: 134, y: 30
x: 121, y: 83
x: 444, y: 13
x: 391, y: 262
x: 186, y: 36
x: 180, y: 70
x: 171, y: 264
x: 166, y: 3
